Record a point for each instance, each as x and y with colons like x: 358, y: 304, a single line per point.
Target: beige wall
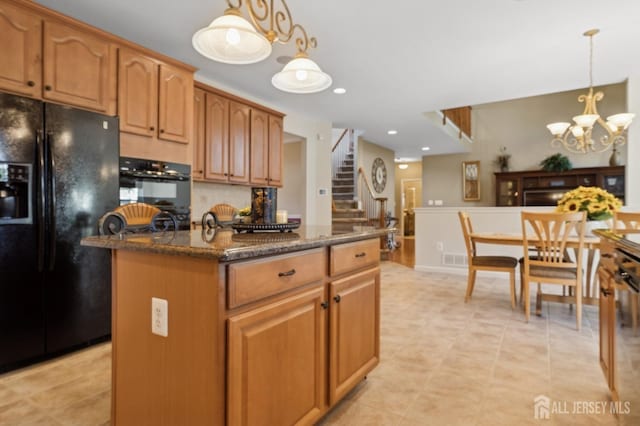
x: 520, y: 126
x: 632, y: 196
x: 290, y: 196
x: 367, y: 152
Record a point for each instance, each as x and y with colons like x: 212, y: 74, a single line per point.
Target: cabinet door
x: 259, y: 148
x: 239, y: 134
x: 354, y: 330
x: 216, y: 147
x: 277, y: 363
x: 137, y: 93
x: 79, y: 68
x: 175, y: 106
x: 199, y: 108
x: 607, y: 313
x: 275, y: 150
x: 21, y: 64
x: 507, y: 192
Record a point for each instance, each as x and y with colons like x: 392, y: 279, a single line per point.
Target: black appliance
x: 161, y: 184
x: 58, y: 176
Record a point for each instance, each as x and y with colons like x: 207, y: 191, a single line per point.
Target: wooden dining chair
x: 625, y: 221
x: 549, y: 233
x: 485, y: 263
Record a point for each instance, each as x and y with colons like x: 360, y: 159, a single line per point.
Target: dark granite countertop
x: 227, y: 244
x: 628, y: 240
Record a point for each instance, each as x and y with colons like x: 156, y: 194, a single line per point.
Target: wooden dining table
x: 591, y: 245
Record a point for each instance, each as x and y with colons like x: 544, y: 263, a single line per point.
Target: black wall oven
x: 161, y: 184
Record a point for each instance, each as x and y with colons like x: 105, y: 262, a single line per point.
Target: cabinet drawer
x: 353, y: 256
x: 254, y: 280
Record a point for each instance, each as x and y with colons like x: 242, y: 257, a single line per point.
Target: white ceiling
x: 398, y: 60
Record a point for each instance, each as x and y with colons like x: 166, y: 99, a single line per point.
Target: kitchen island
x: 217, y: 327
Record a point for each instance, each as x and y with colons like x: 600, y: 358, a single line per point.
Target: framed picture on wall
x: 470, y: 180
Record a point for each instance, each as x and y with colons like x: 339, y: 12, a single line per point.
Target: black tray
x: 259, y: 227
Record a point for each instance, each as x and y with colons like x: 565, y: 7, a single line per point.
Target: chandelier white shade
x: 232, y: 39
x: 301, y: 75
x: 577, y: 138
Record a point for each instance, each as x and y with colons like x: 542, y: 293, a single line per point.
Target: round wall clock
x: 379, y: 175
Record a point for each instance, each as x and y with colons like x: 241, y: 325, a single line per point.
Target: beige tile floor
x: 443, y: 362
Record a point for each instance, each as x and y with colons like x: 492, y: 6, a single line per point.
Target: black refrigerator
x: 58, y: 176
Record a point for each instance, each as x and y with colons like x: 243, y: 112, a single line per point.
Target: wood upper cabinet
x: 199, y: 109
x: 354, y: 330
x: 79, y: 68
x: 154, y: 99
x: 259, y: 148
x: 216, y: 146
x: 266, y: 149
x: 175, y: 103
x: 276, y: 371
x: 276, y: 132
x: 239, y: 134
x: 137, y: 93
x: 20, y: 44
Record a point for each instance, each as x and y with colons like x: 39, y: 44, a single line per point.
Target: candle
x: 281, y: 216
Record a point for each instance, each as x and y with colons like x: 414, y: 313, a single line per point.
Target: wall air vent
x: 455, y: 259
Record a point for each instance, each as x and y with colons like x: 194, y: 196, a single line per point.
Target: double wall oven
x: 161, y: 184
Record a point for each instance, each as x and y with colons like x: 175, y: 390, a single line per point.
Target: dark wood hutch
x: 540, y: 188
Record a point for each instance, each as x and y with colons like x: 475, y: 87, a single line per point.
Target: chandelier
x: 232, y: 39
x: 577, y: 138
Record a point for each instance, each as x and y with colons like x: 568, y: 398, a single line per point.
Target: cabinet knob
x: 337, y: 298
x: 31, y: 83
x: 161, y: 130
x: 152, y: 128
x: 200, y: 171
x: 324, y: 305
x: 47, y: 87
x: 226, y: 174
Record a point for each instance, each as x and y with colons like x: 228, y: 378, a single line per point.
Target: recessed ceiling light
x: 339, y: 91
x: 403, y: 166
x: 425, y: 148
x: 392, y: 132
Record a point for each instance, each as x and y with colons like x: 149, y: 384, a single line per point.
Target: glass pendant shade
x: 577, y: 131
x: 231, y: 39
x: 301, y: 75
x: 557, y: 129
x: 621, y: 121
x: 585, y: 120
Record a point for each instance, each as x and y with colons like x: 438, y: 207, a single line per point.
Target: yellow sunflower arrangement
x: 598, y: 203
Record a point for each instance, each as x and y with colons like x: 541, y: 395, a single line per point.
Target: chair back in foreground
x: 626, y: 220
x: 136, y: 217
x: 550, y: 234
x: 485, y: 263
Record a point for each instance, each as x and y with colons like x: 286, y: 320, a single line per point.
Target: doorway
x: 411, y: 197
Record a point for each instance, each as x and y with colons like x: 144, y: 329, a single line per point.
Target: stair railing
x: 374, y: 208
x: 340, y: 151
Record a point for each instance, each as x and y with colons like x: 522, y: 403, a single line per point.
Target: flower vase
x: 591, y: 225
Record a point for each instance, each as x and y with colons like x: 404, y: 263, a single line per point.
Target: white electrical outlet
x: 439, y: 246
x: 159, y: 317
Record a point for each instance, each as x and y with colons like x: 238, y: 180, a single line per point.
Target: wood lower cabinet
x: 79, y: 68
x: 354, y: 343
x: 277, y: 366
x: 607, y: 314
x: 275, y: 340
x: 20, y: 34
